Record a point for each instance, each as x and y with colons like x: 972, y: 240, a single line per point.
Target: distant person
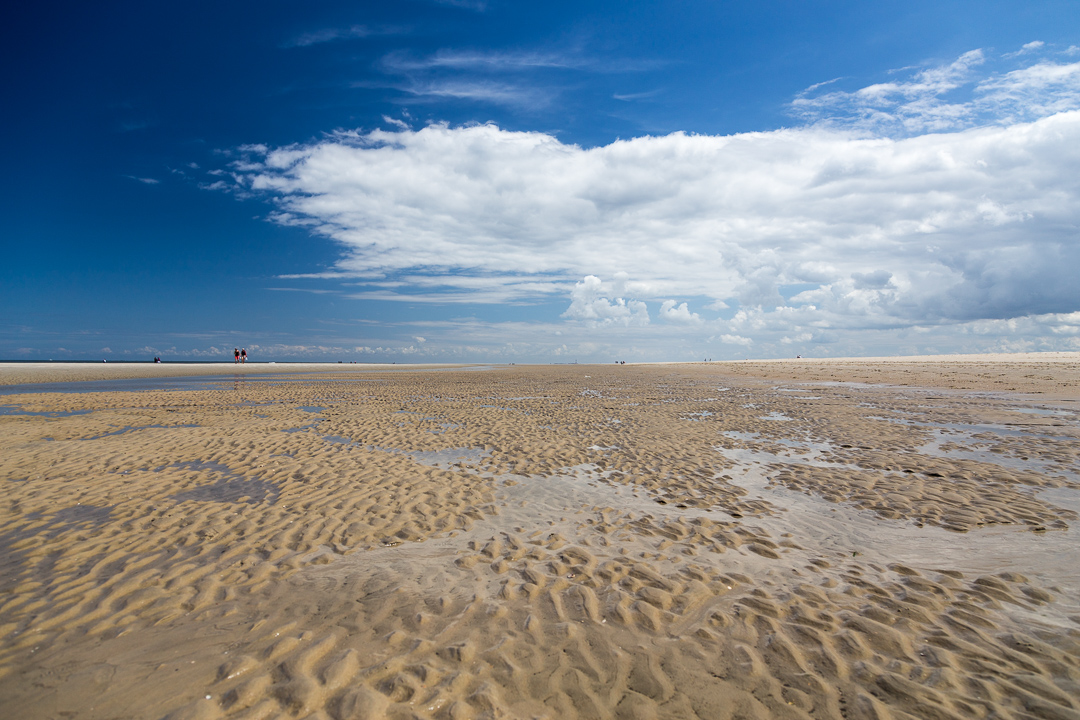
x: 235, y: 355
x: 243, y: 355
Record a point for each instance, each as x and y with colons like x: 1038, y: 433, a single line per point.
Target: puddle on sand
x: 584, y: 487
x: 796, y: 390
x: 1051, y: 558
x: 302, y: 428
x: 1015, y: 430
x: 1067, y: 498
x: 775, y: 416
x: 566, y: 503
x: 974, y: 448
x: 534, y: 507
x: 18, y: 410
x: 697, y: 416
x: 198, y: 382
x: 1043, y: 411
x: 443, y: 458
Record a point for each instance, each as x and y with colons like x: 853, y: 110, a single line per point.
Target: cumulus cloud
x: 591, y: 301
x: 877, y: 231
x: 678, y: 314
x: 736, y: 340
x: 721, y: 217
x: 872, y: 280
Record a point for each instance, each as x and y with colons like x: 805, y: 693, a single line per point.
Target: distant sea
x: 179, y: 362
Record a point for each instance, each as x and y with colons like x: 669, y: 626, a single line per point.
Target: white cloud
x: 629, y: 97
x: 326, y: 35
x: 353, y: 32
x: 475, y: 60
x: 1032, y: 92
x: 678, y: 314
x: 1026, y: 48
x: 401, y: 124
x: 498, y: 93
x: 736, y: 340
x: 591, y: 301
x: 506, y: 61
x: 720, y: 217
x: 925, y: 230
x: 949, y: 97
x: 504, y: 77
x: 914, y: 105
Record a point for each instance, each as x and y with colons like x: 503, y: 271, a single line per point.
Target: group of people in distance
x: 239, y: 355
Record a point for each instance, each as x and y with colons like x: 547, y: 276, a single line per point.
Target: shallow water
x: 18, y: 410
x: 200, y: 382
x: 1051, y: 558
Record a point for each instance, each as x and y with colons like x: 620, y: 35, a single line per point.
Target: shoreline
x: 992, y: 372
x: 45, y: 372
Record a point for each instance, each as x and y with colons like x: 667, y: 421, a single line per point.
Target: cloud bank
x: 896, y: 206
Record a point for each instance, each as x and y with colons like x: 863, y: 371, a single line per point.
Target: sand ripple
x: 593, y: 542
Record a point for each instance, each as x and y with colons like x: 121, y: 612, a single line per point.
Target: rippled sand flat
x: 858, y: 539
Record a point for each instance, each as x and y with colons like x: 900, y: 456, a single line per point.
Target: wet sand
x: 50, y: 372
x: 842, y: 539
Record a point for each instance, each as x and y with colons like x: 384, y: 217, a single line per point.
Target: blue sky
x: 510, y: 182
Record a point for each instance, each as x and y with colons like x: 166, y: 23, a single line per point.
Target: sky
x: 496, y: 181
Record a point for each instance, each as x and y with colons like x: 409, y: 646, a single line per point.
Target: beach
x: 855, y: 538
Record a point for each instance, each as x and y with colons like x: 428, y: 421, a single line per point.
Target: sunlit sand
x: 885, y: 538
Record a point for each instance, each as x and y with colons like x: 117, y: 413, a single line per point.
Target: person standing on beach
x: 243, y: 355
x: 235, y: 355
